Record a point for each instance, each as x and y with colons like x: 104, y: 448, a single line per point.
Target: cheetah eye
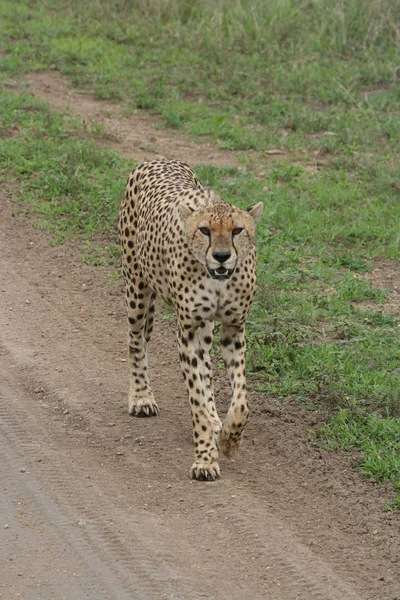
x: 237, y: 230
x: 205, y: 231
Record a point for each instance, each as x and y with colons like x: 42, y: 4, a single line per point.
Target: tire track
x: 79, y: 518
x: 67, y: 545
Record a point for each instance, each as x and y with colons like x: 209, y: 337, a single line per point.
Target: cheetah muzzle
x: 187, y: 246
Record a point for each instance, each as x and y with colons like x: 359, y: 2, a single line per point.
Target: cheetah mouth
x: 221, y: 273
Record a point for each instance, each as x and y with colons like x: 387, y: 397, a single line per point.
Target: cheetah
x: 187, y: 246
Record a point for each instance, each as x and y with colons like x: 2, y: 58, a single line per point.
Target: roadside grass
x: 67, y: 180
x: 319, y: 82
x: 377, y: 439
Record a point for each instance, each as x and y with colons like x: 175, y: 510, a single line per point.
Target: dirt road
x: 97, y: 505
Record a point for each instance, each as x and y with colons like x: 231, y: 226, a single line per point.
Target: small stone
x: 375, y: 531
x: 274, y: 151
x: 23, y: 470
x: 181, y: 499
x: 6, y: 526
x: 169, y: 486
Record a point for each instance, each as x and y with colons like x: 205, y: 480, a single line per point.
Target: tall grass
x: 274, y: 26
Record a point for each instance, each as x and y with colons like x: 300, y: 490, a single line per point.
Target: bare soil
x: 138, y: 136
x: 385, y: 275
x: 95, y: 504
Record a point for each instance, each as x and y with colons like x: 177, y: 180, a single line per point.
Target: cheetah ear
x: 214, y: 198
x: 256, y: 211
x: 185, y: 211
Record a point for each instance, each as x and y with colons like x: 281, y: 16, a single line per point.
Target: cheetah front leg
x: 140, y: 306
x: 233, y: 343
x: 207, y: 338
x: 191, y: 353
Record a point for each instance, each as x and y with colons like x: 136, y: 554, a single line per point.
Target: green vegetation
x: 377, y: 438
x: 70, y: 182
x: 316, y: 80
x: 250, y: 73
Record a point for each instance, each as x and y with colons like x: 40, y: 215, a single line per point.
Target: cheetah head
x: 220, y: 236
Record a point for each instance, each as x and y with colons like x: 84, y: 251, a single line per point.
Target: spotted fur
x: 184, y: 244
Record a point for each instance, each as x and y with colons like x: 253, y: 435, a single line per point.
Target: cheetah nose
x: 221, y: 257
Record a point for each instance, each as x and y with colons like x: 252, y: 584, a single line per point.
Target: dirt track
x: 95, y: 504
x: 137, y: 136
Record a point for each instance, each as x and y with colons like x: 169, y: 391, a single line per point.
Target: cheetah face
x: 220, y: 236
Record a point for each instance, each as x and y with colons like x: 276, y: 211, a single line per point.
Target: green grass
x: 317, y: 80
x: 249, y: 73
x: 377, y: 439
x: 71, y: 183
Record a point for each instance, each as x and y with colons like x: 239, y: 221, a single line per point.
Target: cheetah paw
x: 203, y: 471
x: 144, y: 407
x: 229, y: 443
